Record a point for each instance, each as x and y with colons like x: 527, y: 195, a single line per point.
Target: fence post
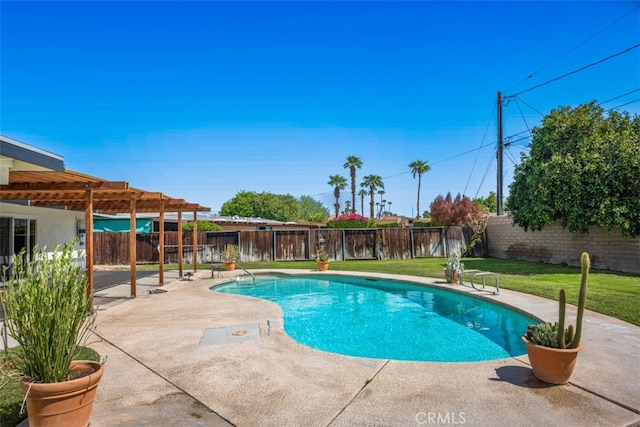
x: 413, y: 243
x: 274, y: 247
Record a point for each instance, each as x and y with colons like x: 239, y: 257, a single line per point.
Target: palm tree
x: 352, y: 163
x: 372, y: 182
x: 419, y: 167
x: 338, y: 183
x: 362, y: 193
x: 381, y: 192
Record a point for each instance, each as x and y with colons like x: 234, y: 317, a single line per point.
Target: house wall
x: 53, y: 226
x: 553, y: 244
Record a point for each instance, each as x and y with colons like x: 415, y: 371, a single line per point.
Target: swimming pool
x: 389, y: 320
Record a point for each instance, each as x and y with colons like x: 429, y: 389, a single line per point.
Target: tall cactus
x: 561, y: 333
x: 567, y: 339
x: 585, y: 264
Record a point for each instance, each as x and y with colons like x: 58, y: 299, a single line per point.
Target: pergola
x: 79, y: 192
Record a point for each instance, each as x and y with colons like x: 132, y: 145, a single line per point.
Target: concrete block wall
x: 555, y: 245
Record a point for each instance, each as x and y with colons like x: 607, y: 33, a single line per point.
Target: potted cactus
x: 231, y: 255
x: 323, y: 261
x: 453, y: 268
x: 552, y: 348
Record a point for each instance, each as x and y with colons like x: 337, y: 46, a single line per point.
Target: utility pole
x: 499, y: 156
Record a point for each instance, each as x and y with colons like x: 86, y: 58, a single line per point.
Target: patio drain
x: 230, y: 334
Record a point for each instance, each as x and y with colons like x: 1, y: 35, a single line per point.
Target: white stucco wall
x: 53, y: 226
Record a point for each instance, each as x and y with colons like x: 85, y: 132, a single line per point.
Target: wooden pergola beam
x: 121, y: 206
x: 65, y: 186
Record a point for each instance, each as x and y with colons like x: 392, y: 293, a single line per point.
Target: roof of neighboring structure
x: 218, y: 219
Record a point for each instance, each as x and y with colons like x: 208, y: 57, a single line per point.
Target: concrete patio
x: 169, y: 364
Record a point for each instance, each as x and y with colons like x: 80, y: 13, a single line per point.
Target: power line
x: 579, y: 44
x: 463, y: 154
x: 575, y: 71
x: 493, y: 110
x: 522, y: 100
x: 527, y: 131
x: 506, y: 144
x: 511, y: 158
x: 486, y: 172
x: 622, y: 105
x: 619, y: 96
x: 522, y: 115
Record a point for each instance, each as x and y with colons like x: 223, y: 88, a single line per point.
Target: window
x: 16, y: 234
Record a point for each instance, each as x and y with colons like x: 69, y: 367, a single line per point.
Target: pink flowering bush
x: 351, y: 220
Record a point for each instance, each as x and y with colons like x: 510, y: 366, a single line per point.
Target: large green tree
x: 352, y: 163
x: 583, y: 170
x: 312, y: 210
x: 372, y: 182
x: 338, y: 183
x: 489, y: 203
x: 418, y: 167
x: 278, y: 207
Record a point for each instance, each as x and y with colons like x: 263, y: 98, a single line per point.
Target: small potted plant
x: 453, y: 268
x: 50, y: 314
x: 323, y: 261
x: 231, y: 254
x: 552, y: 348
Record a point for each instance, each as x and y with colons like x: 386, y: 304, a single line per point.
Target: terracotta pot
x: 454, y: 279
x: 552, y: 365
x: 229, y: 266
x: 67, y: 403
x: 323, y: 265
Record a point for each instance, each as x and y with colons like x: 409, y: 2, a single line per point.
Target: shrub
x: 423, y: 223
x: 459, y: 211
x: 351, y: 220
x: 202, y: 226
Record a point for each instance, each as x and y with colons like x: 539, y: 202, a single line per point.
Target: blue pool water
x: 389, y: 320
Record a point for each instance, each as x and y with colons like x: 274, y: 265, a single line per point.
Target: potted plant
x: 323, y: 261
x: 453, y: 268
x: 231, y: 254
x: 552, y: 348
x: 49, y: 313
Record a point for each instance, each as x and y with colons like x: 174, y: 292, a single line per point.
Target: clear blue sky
x: 201, y: 100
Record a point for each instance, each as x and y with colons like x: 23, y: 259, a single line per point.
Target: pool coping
x: 153, y: 360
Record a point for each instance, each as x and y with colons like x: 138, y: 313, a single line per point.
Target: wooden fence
x: 291, y: 245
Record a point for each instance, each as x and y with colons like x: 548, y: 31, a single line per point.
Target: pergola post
x: 161, y: 247
x: 132, y: 245
x: 88, y: 223
x: 195, y: 241
x: 180, y: 243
